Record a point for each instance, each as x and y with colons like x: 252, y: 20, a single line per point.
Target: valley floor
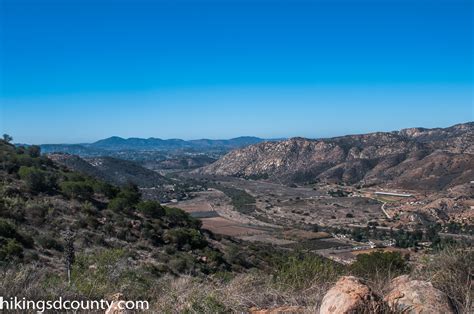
x: 294, y: 217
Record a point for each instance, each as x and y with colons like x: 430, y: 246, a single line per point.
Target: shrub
x: 106, y: 189
x: 152, y: 233
x: 92, y: 222
x: 213, y: 256
x: 10, y: 249
x: 89, y: 208
x: 7, y: 230
x: 34, y: 151
x: 50, y: 243
x: 301, y: 271
x: 119, y: 204
x: 131, y: 193
x: 151, y: 209
x: 79, y: 190
x: 178, y: 265
x: 37, y: 180
x: 27, y: 161
x: 238, y: 257
x: 183, y: 237
x: 8, y: 161
x: 26, y: 240
x: 74, y: 176
x: 379, y: 266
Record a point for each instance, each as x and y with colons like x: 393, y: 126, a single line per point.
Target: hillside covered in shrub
x: 40, y: 201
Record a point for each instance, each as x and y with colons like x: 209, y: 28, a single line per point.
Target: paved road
x: 382, y: 207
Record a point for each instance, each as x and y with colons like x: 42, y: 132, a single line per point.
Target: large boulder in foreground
x: 416, y: 296
x: 348, y: 295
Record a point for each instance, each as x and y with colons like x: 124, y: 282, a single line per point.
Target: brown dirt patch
x: 225, y: 226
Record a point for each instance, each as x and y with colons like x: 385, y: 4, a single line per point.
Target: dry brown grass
x: 452, y: 271
x: 188, y: 294
x: 184, y: 294
x: 449, y: 270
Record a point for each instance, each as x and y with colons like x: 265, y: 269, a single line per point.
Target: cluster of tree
x: 364, y: 234
x: 338, y: 193
x: 241, y: 200
x: 403, y: 238
x: 406, y: 239
x: 457, y: 228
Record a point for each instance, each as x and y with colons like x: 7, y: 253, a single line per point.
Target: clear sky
x: 77, y: 71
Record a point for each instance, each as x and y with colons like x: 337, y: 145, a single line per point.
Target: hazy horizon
x: 228, y: 138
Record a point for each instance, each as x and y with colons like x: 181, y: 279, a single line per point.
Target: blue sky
x: 77, y: 71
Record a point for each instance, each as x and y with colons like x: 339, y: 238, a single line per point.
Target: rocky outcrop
x: 416, y: 296
x: 348, y: 295
x: 351, y: 295
x: 437, y: 158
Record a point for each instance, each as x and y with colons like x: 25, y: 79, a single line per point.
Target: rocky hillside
x: 415, y: 158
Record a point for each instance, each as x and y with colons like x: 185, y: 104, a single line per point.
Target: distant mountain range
x: 415, y: 158
x: 114, y: 144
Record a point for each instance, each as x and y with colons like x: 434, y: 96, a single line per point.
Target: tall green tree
x: 7, y: 138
